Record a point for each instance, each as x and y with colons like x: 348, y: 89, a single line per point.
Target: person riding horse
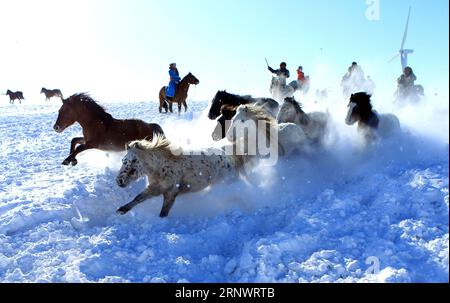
x: 302, y: 80
x: 282, y: 73
x: 174, y: 81
x: 407, y: 89
x: 407, y: 79
x: 354, y: 80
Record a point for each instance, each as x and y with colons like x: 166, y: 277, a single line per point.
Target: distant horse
x: 100, y: 129
x: 290, y: 137
x: 315, y: 124
x: 370, y: 124
x: 171, y: 171
x: 224, y: 106
x: 15, y: 96
x: 411, y: 94
x: 181, y: 93
x: 280, y: 90
x: 50, y: 93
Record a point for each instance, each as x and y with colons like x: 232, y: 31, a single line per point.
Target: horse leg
x: 75, y: 142
x: 162, y: 103
x: 185, y: 106
x: 179, y: 108
x: 169, y: 200
x: 81, y: 148
x: 170, y: 107
x: 151, y: 191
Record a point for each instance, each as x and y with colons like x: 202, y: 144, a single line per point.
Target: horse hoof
x: 123, y: 210
x: 66, y: 162
x: 74, y: 162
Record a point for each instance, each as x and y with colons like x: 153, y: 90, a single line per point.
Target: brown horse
x: 100, y: 129
x: 15, y: 96
x: 181, y: 93
x: 50, y: 93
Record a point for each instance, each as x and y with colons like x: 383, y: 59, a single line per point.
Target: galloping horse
x: 15, y: 96
x: 289, y: 136
x: 50, y: 93
x: 181, y: 94
x: 315, y: 124
x: 370, y: 124
x: 100, y: 129
x: 224, y: 106
x: 171, y: 171
x: 280, y: 90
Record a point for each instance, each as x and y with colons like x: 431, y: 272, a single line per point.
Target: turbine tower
x: 403, y: 53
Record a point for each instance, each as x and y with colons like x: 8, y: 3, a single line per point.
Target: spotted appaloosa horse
x: 171, y: 171
x: 100, y: 129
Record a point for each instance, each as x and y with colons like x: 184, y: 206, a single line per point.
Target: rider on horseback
x: 300, y: 74
x: 406, y: 80
x: 282, y: 72
x: 174, y: 81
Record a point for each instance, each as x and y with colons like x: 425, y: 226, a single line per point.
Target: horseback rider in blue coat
x: 174, y: 81
x: 281, y: 72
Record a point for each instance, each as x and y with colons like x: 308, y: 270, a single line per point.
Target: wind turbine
x: 403, y: 53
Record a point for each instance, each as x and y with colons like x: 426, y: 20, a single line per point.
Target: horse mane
x: 364, y: 103
x: 91, y: 105
x: 159, y: 144
x: 297, y: 105
x: 258, y: 113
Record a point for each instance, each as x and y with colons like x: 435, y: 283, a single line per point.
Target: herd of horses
x: 49, y: 93
x: 172, y: 171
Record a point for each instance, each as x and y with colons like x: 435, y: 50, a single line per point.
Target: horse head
x: 66, y: 115
x: 43, y: 90
x: 359, y: 108
x: 132, y: 166
x: 191, y: 79
x: 216, y: 104
x: 227, y: 113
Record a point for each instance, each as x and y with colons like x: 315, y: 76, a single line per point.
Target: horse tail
x: 157, y: 131
x: 162, y: 99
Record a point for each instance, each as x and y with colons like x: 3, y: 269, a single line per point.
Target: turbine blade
x: 405, y: 35
x: 393, y: 58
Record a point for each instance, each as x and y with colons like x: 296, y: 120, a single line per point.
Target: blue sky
x: 119, y: 49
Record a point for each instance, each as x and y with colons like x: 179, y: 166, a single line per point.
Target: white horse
x: 284, y: 138
x: 371, y: 125
x: 315, y: 124
x: 280, y: 90
x: 172, y: 171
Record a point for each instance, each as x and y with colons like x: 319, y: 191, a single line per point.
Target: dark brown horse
x: 100, y: 129
x: 15, y: 96
x: 181, y: 93
x: 224, y: 106
x: 50, y: 93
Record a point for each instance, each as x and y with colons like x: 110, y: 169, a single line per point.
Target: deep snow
x: 342, y: 214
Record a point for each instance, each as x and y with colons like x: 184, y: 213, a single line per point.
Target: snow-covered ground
x: 340, y: 215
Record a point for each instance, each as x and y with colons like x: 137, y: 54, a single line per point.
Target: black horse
x: 371, y: 124
x: 224, y: 106
x: 15, y: 96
